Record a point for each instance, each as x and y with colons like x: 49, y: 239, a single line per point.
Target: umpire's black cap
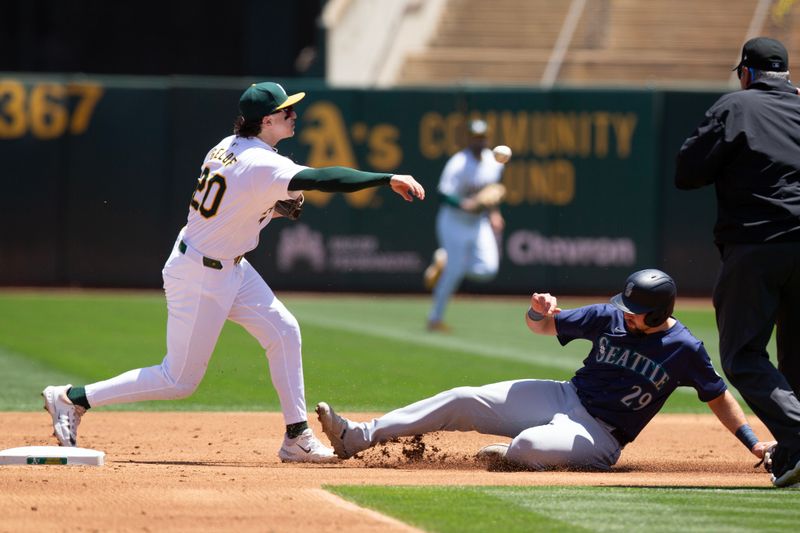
x: 763, y: 53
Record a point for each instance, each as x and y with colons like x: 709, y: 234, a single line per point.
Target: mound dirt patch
x: 220, y: 471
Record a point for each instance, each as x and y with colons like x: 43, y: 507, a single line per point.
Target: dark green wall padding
x: 99, y: 172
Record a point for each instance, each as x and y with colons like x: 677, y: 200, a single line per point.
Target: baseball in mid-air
x: 502, y: 153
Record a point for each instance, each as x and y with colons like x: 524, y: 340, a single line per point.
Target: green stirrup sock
x: 294, y: 430
x: 77, y: 395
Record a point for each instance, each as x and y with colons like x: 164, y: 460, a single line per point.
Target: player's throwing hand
x: 407, y: 187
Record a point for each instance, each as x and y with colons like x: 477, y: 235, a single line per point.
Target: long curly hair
x: 246, y: 128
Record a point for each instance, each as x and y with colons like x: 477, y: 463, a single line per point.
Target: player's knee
x: 537, y: 455
x: 526, y: 450
x: 461, y: 397
x: 540, y: 451
x: 290, y: 324
x: 531, y: 441
x: 733, y: 369
x: 183, y: 389
x: 177, y: 388
x: 288, y: 334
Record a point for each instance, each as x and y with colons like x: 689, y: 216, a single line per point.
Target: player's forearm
x: 540, y: 316
x: 730, y: 414
x: 540, y: 324
x: 728, y: 411
x: 543, y: 327
x: 337, y: 179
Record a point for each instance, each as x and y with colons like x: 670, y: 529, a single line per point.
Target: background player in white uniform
x: 467, y: 231
x: 640, y: 354
x: 207, y: 281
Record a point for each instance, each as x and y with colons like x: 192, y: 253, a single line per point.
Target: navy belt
x: 216, y: 264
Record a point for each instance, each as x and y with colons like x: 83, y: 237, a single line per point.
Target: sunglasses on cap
x: 289, y: 109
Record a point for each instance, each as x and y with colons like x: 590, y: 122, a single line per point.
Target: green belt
x: 207, y: 261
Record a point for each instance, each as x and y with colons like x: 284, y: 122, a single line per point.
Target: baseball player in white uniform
x: 207, y: 280
x: 467, y: 231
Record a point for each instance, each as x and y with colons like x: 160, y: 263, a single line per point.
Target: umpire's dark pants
x: 758, y: 288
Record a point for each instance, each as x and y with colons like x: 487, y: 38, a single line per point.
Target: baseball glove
x: 290, y: 209
x: 490, y: 196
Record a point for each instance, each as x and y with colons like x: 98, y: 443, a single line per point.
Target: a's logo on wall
x: 300, y: 244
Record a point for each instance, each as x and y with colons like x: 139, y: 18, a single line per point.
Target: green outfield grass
x: 360, y: 352
x: 568, y: 509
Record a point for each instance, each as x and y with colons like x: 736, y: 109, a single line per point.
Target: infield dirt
x: 220, y: 472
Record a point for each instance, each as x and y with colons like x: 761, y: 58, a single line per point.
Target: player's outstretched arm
x: 345, y: 179
x: 730, y: 414
x: 540, y: 316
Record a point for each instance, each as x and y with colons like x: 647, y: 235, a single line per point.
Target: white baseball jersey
x: 464, y: 175
x: 240, y: 182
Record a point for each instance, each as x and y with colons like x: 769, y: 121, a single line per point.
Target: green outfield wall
x: 99, y: 172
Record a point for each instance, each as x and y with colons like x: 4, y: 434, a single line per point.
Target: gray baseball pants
x: 546, y: 421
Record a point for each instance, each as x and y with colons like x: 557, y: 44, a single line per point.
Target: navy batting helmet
x: 650, y: 292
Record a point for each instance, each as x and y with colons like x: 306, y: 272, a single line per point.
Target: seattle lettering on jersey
x: 626, y: 358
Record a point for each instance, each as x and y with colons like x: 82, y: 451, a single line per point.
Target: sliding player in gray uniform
x: 244, y: 183
x: 640, y: 354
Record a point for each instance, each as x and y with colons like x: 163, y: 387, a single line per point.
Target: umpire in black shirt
x: 748, y: 146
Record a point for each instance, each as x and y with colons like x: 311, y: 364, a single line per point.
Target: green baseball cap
x: 265, y: 98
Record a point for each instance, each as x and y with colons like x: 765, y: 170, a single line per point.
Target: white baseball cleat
x: 493, y: 456
x: 66, y: 416
x: 305, y: 448
x: 334, y: 427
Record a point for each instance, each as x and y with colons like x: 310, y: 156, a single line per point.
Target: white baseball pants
x: 199, y: 300
x: 472, y: 252
x: 546, y: 421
